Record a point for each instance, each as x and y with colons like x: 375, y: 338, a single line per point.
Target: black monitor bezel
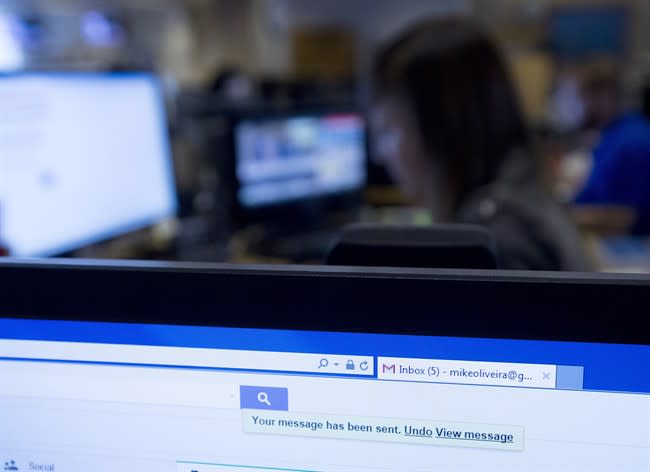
x: 484, y: 304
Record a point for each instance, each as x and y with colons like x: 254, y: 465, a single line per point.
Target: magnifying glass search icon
x: 323, y: 363
x: 263, y: 397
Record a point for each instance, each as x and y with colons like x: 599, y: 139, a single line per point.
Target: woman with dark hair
x: 450, y: 131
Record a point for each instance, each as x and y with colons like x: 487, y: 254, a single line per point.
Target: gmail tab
x: 467, y: 372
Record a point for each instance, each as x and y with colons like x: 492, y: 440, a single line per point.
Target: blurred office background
x: 236, y: 74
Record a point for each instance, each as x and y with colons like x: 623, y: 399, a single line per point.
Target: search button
x: 263, y: 398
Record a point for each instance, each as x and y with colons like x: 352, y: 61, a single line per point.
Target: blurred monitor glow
x: 280, y: 160
x: 83, y: 157
x: 101, y: 29
x: 29, y: 30
x: 11, y: 55
x: 581, y: 32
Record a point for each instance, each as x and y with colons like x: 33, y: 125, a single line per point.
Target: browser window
x: 78, y: 396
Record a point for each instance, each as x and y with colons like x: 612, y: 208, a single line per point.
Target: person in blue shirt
x: 621, y: 159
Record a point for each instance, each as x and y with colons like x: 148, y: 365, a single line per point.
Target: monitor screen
x: 78, y: 396
x: 579, y: 33
x: 83, y: 157
x: 280, y: 160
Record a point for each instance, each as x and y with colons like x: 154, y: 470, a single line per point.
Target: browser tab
x: 467, y: 372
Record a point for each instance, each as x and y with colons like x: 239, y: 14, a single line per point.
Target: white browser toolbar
x: 189, y: 357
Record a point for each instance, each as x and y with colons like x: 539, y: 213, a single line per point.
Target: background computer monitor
x: 577, y: 33
x: 83, y: 157
x: 293, y: 159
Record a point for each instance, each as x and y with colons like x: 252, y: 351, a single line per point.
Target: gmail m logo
x: 388, y: 368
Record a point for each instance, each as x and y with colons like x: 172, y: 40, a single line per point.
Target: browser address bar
x: 188, y: 357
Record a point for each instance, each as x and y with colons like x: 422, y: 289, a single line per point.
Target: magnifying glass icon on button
x: 263, y: 397
x: 323, y: 363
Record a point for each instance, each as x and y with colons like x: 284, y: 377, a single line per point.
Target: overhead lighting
x: 101, y: 29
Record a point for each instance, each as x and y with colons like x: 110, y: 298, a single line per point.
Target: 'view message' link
x: 467, y: 372
x: 420, y: 432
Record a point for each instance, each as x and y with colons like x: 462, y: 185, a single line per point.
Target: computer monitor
x: 113, y: 367
x: 83, y: 157
x: 285, y: 160
x: 577, y: 33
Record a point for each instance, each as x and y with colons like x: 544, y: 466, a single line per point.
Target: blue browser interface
x: 80, y: 395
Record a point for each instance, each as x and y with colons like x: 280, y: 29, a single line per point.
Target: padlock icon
x: 349, y: 365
